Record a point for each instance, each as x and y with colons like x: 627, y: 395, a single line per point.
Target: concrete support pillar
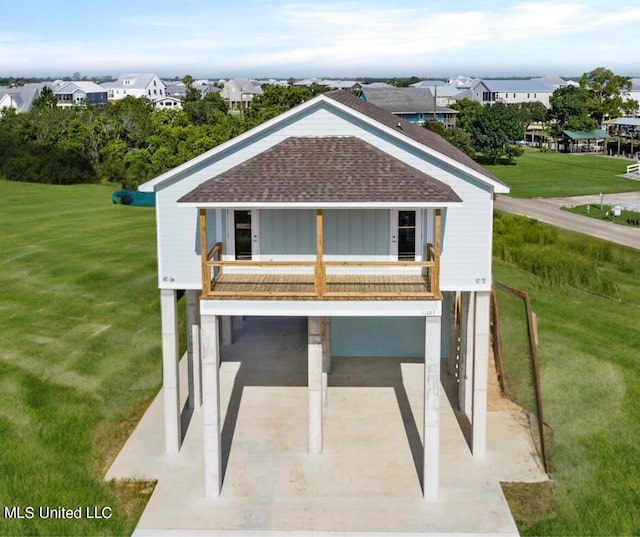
x: 480, y: 374
x: 193, y: 348
x: 431, y: 432
x: 315, y: 383
x: 465, y: 387
x: 211, y: 393
x: 170, y: 372
x: 452, y: 362
x: 227, y: 329
x: 326, y: 362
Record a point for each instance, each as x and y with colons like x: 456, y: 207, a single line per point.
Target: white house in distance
x: 20, y: 98
x: 511, y: 91
x: 146, y: 85
x: 370, y: 227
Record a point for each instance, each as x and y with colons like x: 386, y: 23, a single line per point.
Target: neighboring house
x: 239, y: 92
x: 176, y: 90
x: 146, y: 85
x: 168, y: 103
x: 416, y: 105
x: 209, y: 88
x: 370, y: 227
x: 20, y: 98
x: 444, y: 94
x: 77, y: 93
x: 510, y: 91
x: 557, y: 81
x: 634, y: 93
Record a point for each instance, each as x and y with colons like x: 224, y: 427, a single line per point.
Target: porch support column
x: 204, y: 250
x: 211, y: 393
x: 193, y: 348
x: 480, y: 374
x: 170, y: 372
x: 465, y: 393
x: 452, y: 362
x: 315, y: 384
x: 431, y: 432
x: 326, y: 362
x: 320, y: 276
x: 227, y: 329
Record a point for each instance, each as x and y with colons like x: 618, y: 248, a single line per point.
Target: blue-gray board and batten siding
x: 400, y: 337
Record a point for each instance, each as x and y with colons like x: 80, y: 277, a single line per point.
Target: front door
x: 406, y: 234
x: 243, y: 239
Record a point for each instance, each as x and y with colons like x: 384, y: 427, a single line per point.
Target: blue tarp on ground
x: 133, y: 197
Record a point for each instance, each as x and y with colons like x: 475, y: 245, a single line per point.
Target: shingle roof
x: 400, y: 100
x: 408, y: 129
x: 518, y: 85
x: 322, y: 170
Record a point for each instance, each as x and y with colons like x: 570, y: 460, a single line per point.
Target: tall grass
x: 589, y: 349
x: 80, y: 341
x: 575, y: 261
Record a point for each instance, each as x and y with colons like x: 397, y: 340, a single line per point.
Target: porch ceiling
x: 322, y: 170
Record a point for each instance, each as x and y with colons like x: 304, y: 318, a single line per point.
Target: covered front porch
x: 411, y: 276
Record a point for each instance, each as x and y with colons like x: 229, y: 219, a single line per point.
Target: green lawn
x: 549, y: 174
x: 590, y: 369
x: 80, y: 340
x: 80, y: 360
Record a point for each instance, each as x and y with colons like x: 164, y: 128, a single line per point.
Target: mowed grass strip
x: 548, y: 174
x: 590, y: 371
x: 80, y: 340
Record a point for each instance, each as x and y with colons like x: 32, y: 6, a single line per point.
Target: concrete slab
x: 366, y: 482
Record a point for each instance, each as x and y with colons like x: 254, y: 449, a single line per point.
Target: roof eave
x: 320, y: 205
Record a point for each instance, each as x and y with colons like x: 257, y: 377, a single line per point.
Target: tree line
x: 130, y: 142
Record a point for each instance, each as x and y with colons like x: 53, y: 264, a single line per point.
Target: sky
x: 330, y: 38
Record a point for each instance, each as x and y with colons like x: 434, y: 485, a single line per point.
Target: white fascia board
x: 323, y: 308
x: 498, y: 187
x: 156, y: 184
x: 321, y: 205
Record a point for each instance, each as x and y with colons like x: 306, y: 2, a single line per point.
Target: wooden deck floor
x: 339, y: 287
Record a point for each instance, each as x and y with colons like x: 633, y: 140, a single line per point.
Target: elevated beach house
x: 374, y: 229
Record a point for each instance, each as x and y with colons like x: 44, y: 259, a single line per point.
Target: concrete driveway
x: 366, y: 480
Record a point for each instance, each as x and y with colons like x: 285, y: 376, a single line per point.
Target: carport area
x: 365, y: 481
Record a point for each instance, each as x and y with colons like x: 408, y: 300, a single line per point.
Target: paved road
x: 548, y: 210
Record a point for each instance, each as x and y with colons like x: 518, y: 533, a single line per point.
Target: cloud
x: 352, y: 37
